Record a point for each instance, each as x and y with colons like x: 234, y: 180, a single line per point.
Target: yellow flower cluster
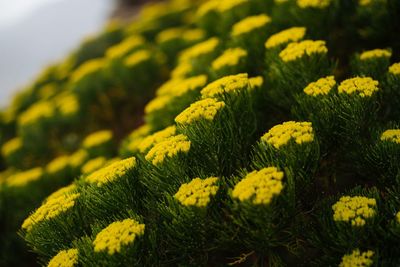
x: 155, y: 138
x: 68, y: 104
x: 227, y: 84
x: 168, y: 148
x: 357, y: 259
x: 313, y: 3
x: 157, y: 103
x: 69, y: 189
x: 293, y: 34
x: 321, y: 87
x: 391, y: 135
x: 398, y: 217
x: 169, y: 35
x: 11, y: 146
x: 58, y: 164
x: 297, y: 50
x: 363, y: 86
x: 125, y: 47
x: 25, y: 177
x: 197, y: 192
x: 199, y: 49
x: 78, y: 158
x: 364, y: 2
x: 395, y: 69
x: 193, y: 35
x: 256, y: 82
x: 219, y: 6
x: 118, y: 234
x: 97, y: 138
x: 93, y: 165
x: 182, y: 70
x: 203, y: 109
x: 354, y: 209
x: 259, y: 187
x: 65, y: 258
x: 249, y: 24
x: 176, y: 88
x: 111, y: 172
x: 87, y: 68
x: 38, y: 111
x: 376, y: 53
x: 51, y: 209
x: 281, y: 134
x: 137, y: 58
x: 230, y: 57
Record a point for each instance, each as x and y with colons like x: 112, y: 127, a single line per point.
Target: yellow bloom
x: 197, y: 192
x: 69, y: 189
x: 67, y: 104
x: 357, y: 259
x: 137, y: 58
x: 355, y: 210
x: 321, y: 87
x: 111, y: 172
x: 38, y: 111
x: 297, y: 50
x: 181, y: 87
x: 259, y: 187
x: 313, y: 3
x: 93, y: 165
x: 125, y: 47
x: 157, y: 103
x: 23, y: 178
x: 293, y: 34
x: 256, y: 82
x: 140, y: 132
x: 363, y: 86
x: 395, y: 69
x: 281, y: 134
x: 58, y: 164
x: 65, y: 258
x: 193, y: 35
x: 182, y: 70
x: 169, y: 35
x: 168, y: 148
x: 249, y: 24
x: 149, y: 141
x: 376, y: 53
x: 199, y: 49
x: 230, y: 57
x: 203, y: 109
x: 51, y: 209
x: 118, y: 234
x: 97, y: 138
x: 227, y: 84
x: 78, y: 158
x: 11, y: 146
x: 219, y: 6
x: 391, y: 135
x: 88, y: 67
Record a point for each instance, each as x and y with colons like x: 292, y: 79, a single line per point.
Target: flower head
x: 97, y: 138
x: 93, y: 165
x: 69, y: 189
x: 203, y: 109
x: 321, y: 87
x: 256, y: 82
x: 357, y: 259
x: 125, y: 47
x: 363, y: 86
x: 249, y: 24
x: 68, y: 104
x: 40, y: 111
x: 227, y: 84
x: 355, y: 210
x: 198, y: 192
x: 78, y: 158
x: 395, y: 69
x: 137, y: 57
x: 293, y: 34
x: 23, y: 178
x: 149, y: 141
x: 199, y: 49
x: 376, y: 53
x: 11, y: 146
x: 297, y: 50
x: 168, y: 148
x: 65, y: 258
x: 313, y: 3
x: 230, y: 57
x: 58, y: 164
x: 391, y: 135
x: 87, y: 68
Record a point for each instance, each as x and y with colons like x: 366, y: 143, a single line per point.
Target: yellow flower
x: 38, y: 111
x: 227, y: 84
x: 118, y: 234
x: 67, y: 104
x: 281, y: 134
x: 230, y: 57
x: 376, y: 53
x: 363, y: 86
x: 137, y: 58
x: 259, y: 187
x: 11, y: 146
x: 69, y: 189
x: 111, y: 172
x: 125, y: 47
x: 199, y: 49
x: 168, y: 148
x: 395, y: 69
x: 256, y: 82
x: 65, y: 258
x: 149, y: 141
x: 293, y: 34
x: 391, y: 135
x: 219, y: 6
x: 398, y: 217
x: 197, y: 192
x: 297, y: 50
x: 97, y: 138
x: 354, y: 210
x: 93, y: 165
x: 203, y: 109
x: 58, y: 164
x: 157, y: 103
x: 181, y: 87
x: 169, y: 35
x: 78, y: 158
x: 321, y: 87
x: 23, y: 178
x: 357, y: 259
x: 193, y: 35
x: 88, y: 67
x: 249, y: 24
x: 140, y: 132
x: 51, y: 209
x: 182, y: 70
x: 313, y: 3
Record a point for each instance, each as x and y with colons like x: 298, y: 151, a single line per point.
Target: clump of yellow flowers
x: 297, y: 50
x: 281, y: 134
x: 227, y: 84
x: 376, y: 53
x: 363, y: 86
x: 249, y: 24
x: 65, y: 258
x: 391, y: 135
x: 293, y: 34
x: 118, y: 234
x: 111, y: 172
x: 395, y: 69
x: 62, y: 191
x: 123, y: 48
x: 203, y: 109
x: 230, y: 57
x: 11, y: 146
x: 155, y: 138
x: 168, y: 148
x: 197, y: 192
x: 357, y: 259
x: 313, y: 3
x: 260, y: 187
x: 25, y: 177
x: 199, y: 49
x: 58, y: 164
x: 137, y: 58
x: 354, y: 209
x: 87, y: 68
x: 38, y: 111
x: 321, y: 87
x: 97, y: 138
x: 218, y: 6
x: 93, y: 165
